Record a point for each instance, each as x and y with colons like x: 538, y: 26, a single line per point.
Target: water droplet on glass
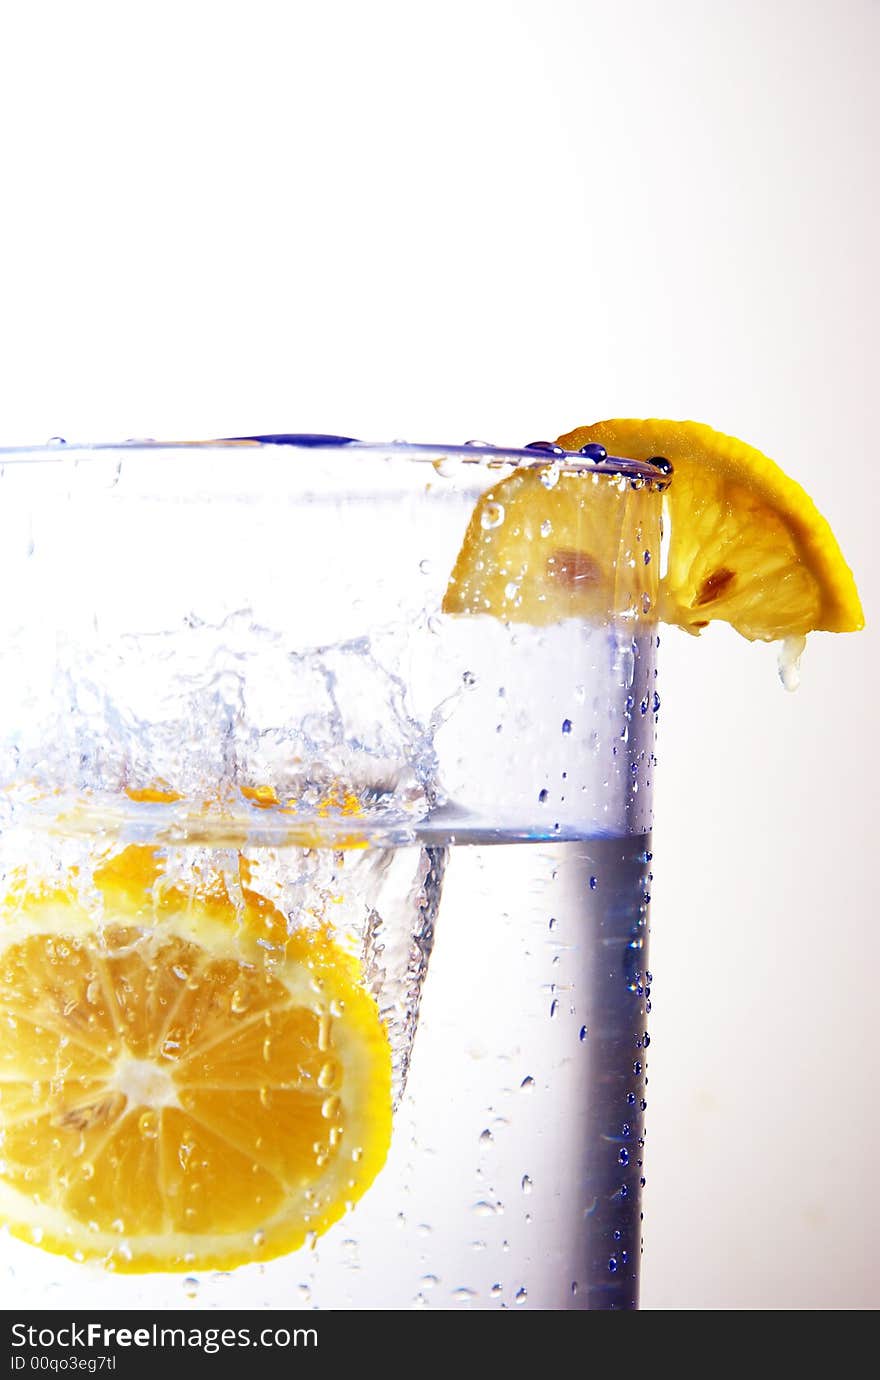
x: 594, y: 882
x: 426, y: 567
x: 661, y: 463
x: 511, y: 591
x: 550, y: 476
x: 612, y: 1265
x: 521, y: 1295
x: 496, y: 1291
x: 582, y: 1033
x: 526, y: 1184
x: 191, y: 1286
x: 259, y: 1238
x: 492, y: 516
x: 486, y: 1137
x: 623, y: 1156
x: 148, y: 1125
x: 463, y: 1294
x: 549, y: 446
x: 593, y: 452
x: 546, y: 527
x: 468, y: 679
x: 327, y: 1075
x: 484, y: 1209
x: 485, y: 445
x: 528, y: 1083
x: 56, y: 441
x: 239, y: 1002
x: 429, y: 1281
x: 566, y: 725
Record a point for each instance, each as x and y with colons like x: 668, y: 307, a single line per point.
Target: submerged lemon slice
x: 747, y: 544
x: 183, y: 1085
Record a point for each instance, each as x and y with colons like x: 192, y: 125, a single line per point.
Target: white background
x: 502, y: 218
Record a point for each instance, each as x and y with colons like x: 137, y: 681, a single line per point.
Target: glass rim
x: 537, y: 454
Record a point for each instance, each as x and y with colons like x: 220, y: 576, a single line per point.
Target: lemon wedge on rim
x: 747, y: 544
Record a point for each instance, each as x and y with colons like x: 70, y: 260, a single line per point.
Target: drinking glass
x: 402, y: 697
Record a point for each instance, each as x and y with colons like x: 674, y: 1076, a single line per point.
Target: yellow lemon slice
x: 747, y: 544
x: 183, y: 1085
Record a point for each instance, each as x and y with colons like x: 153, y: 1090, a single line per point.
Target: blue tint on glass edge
x: 297, y: 438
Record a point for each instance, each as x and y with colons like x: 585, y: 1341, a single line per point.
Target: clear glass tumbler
x: 325, y: 799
